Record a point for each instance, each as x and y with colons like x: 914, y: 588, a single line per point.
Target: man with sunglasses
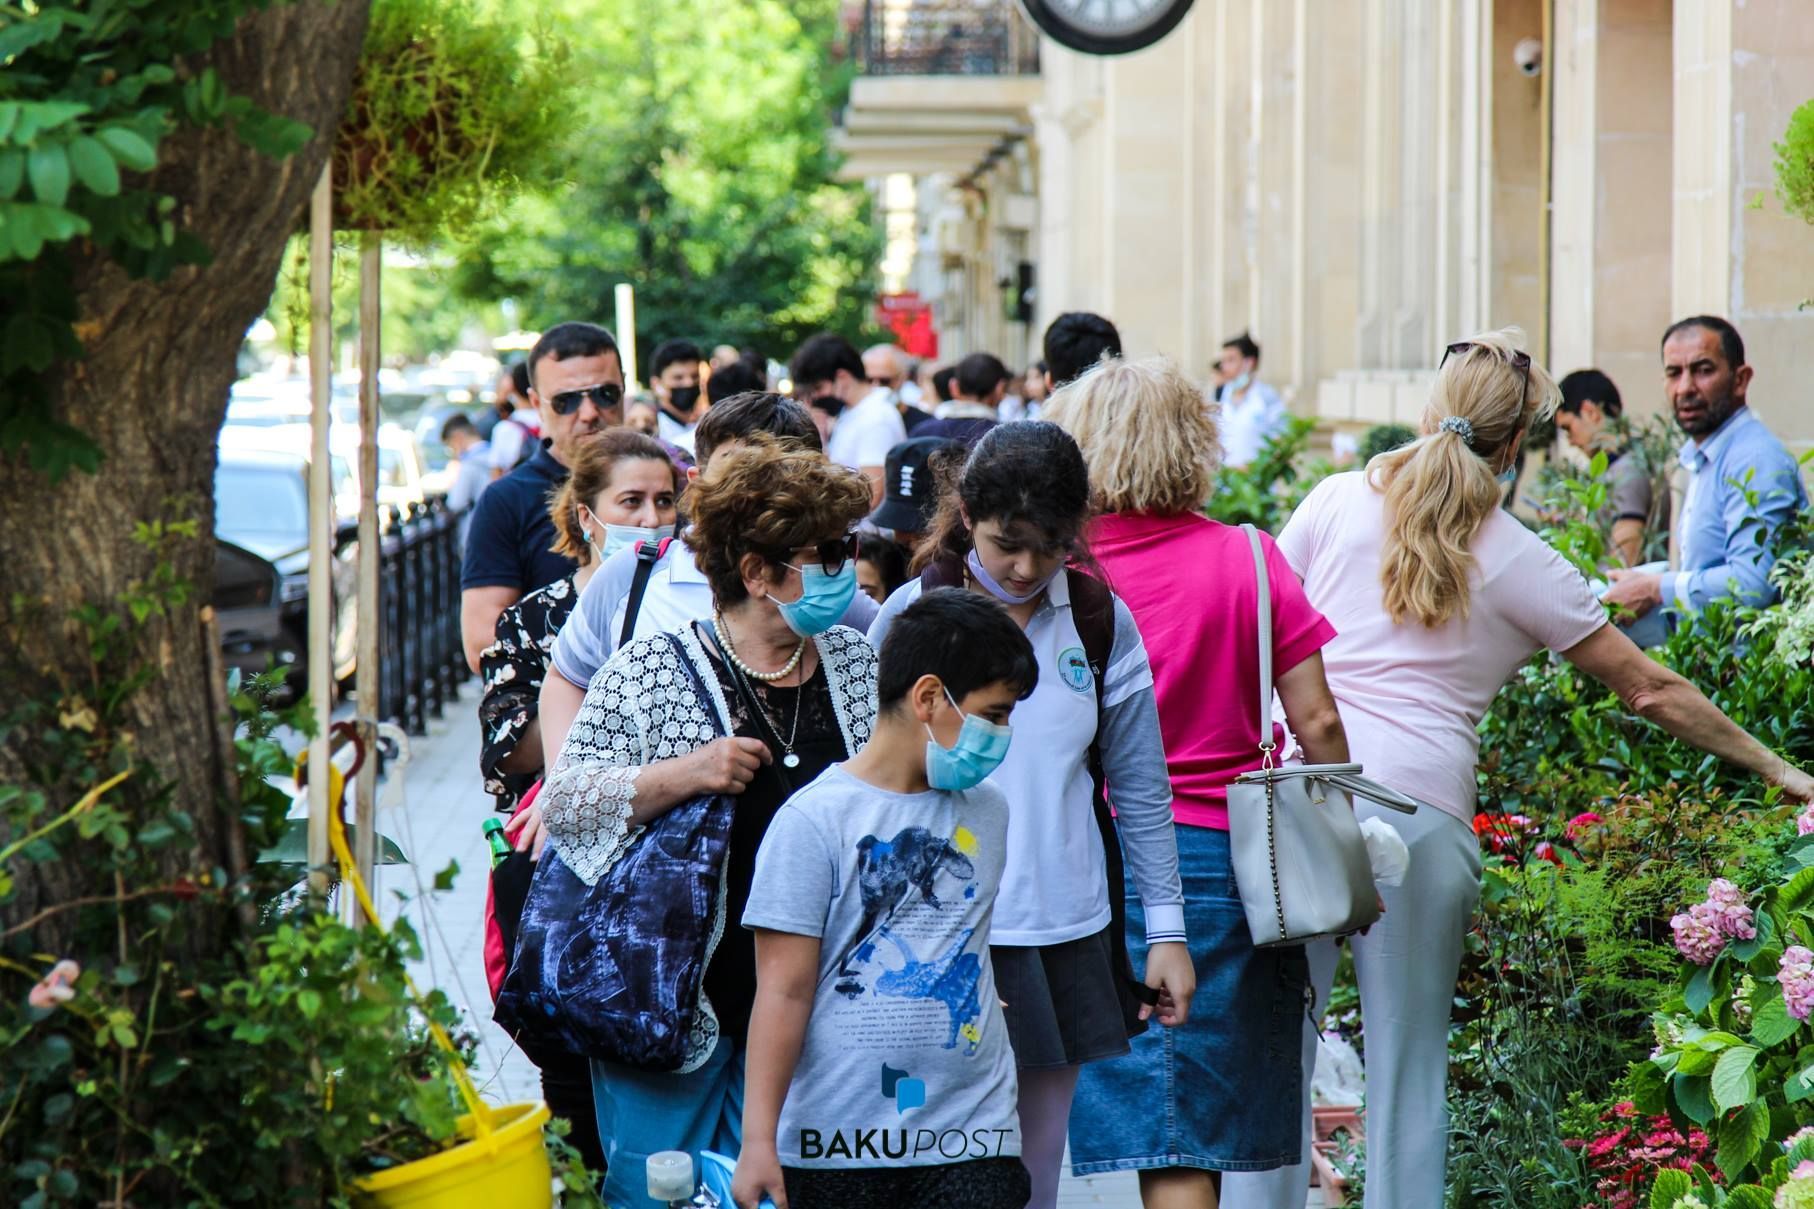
x: 882, y: 366
x: 577, y: 390
x: 830, y: 379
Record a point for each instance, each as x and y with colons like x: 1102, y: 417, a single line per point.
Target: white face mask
x: 617, y: 537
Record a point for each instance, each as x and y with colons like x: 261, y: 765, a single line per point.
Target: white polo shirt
x: 1055, y: 885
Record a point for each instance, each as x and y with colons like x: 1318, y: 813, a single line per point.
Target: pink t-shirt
x: 1412, y: 698
x: 1189, y: 582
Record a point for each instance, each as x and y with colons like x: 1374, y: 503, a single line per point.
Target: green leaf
x: 1799, y: 1086
x: 48, y: 168
x: 128, y: 147
x: 1699, y: 991
x: 1671, y: 1186
x: 1741, y: 1137
x: 12, y: 173
x: 1796, y: 893
x: 1748, y: 1196
x: 1771, y: 1023
x: 94, y: 166
x: 308, y: 1002
x: 1697, y: 1062
x: 1735, y: 1079
x: 9, y: 117
x: 1691, y: 1096
x: 444, y: 880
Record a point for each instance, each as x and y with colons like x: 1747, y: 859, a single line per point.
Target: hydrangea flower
x: 1799, y: 1136
x: 1804, y: 822
x: 1798, y: 1193
x: 1796, y: 974
x: 1697, y: 933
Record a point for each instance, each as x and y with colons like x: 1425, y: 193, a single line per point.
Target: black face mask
x: 681, y: 400
x: 831, y: 405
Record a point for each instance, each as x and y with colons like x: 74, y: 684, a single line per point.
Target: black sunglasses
x: 833, y: 554
x: 606, y: 395
x: 1521, y: 360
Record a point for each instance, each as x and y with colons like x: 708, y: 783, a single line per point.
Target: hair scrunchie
x: 1460, y: 427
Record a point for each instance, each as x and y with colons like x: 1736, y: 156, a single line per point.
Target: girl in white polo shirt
x: 1010, y: 528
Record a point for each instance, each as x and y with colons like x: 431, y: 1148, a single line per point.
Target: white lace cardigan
x: 640, y: 709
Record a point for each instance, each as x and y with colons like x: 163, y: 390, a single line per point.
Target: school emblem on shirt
x: 1074, y: 669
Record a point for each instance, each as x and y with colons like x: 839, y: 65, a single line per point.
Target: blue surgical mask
x: 980, y: 748
x: 617, y: 537
x: 823, y: 599
x: 1509, y: 475
x: 1239, y: 382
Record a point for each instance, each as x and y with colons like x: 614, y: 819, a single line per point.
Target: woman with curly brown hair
x: 791, y: 692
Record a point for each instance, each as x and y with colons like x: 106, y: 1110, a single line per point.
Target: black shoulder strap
x: 1093, y: 613
x: 647, y: 555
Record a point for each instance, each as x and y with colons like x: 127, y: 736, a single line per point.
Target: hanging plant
x: 454, y: 107
x: 1795, y: 164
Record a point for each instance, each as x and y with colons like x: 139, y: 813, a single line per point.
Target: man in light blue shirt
x: 1743, y: 484
x: 1252, y: 412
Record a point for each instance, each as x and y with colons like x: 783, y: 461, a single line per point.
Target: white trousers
x: 1406, y: 965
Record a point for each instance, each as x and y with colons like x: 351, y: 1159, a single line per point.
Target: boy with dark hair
x: 1075, y: 341
x: 674, y: 377
x: 978, y: 387
x: 879, y: 1070
x: 1639, y: 496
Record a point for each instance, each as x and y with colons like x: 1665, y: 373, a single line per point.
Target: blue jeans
x: 1220, y: 1092
x: 643, y: 1112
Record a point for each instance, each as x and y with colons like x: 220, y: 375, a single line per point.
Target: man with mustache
x: 1731, y: 459
x: 577, y: 388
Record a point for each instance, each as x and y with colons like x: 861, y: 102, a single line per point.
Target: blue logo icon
x: 906, y: 1092
x: 1074, y: 669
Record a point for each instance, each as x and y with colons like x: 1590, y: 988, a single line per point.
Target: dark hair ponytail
x: 1029, y: 471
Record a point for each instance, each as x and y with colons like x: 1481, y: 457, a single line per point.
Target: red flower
x: 1580, y: 823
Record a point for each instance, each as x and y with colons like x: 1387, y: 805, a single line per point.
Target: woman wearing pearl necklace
x: 792, y: 692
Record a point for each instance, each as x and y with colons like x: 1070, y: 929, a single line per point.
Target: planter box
x: 1326, y: 1177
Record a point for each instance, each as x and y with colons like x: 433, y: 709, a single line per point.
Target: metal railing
x: 420, y: 657
x: 945, y: 38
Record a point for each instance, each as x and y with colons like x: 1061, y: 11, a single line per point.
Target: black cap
x: 909, y: 486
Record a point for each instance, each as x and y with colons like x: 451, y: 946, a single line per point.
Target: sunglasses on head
x: 605, y: 396
x: 1521, y: 360
x: 833, y: 554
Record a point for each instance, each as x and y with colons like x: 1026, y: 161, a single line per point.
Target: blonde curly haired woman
x: 1220, y: 1092
x: 1438, y: 596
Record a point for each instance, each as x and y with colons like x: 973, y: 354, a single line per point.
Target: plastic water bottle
x: 670, y: 1176
x: 494, y: 836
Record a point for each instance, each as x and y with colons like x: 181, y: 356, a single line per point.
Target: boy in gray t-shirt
x: 878, y: 1069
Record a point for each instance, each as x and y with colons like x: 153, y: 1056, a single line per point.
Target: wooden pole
x: 321, y: 523
x: 365, y: 784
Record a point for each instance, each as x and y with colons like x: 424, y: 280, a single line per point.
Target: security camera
x: 1528, y: 56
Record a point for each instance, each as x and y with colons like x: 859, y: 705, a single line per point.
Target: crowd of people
x: 914, y: 708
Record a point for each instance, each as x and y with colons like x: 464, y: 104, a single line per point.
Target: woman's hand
x: 526, y: 832
x: 758, y: 1174
x: 727, y: 765
x: 1169, y: 970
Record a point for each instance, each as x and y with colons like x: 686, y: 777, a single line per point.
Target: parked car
x: 261, y: 513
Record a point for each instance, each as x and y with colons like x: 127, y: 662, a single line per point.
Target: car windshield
x: 259, y: 502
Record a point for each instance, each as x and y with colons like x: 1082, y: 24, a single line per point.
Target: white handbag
x: 1300, y: 859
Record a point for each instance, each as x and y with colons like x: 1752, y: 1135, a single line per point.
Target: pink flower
x: 1804, y: 822
x: 1722, y: 893
x: 1796, y: 974
x: 1697, y: 934
x: 1581, y: 822
x: 1804, y: 1170
x: 1737, y: 923
x: 1800, y: 1135
x: 55, y: 988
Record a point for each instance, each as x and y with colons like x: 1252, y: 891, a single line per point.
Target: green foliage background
x: 700, y: 172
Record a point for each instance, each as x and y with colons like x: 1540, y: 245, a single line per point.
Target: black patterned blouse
x: 511, y: 670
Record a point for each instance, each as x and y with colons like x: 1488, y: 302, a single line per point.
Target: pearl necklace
x: 730, y: 652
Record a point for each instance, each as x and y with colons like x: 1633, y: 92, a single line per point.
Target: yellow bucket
x: 503, y: 1164
x: 505, y: 1169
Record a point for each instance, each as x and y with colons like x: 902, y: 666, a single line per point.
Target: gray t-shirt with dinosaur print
x: 906, y: 1059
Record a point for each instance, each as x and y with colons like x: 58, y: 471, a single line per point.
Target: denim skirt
x: 1223, y: 1092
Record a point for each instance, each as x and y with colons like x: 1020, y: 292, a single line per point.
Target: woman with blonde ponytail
x: 1437, y: 597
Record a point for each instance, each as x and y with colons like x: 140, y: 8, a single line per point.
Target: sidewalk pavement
x: 436, y: 819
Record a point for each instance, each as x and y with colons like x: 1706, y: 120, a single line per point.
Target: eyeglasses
x: 1521, y: 361
x: 881, y: 382
x: 606, y: 396
x: 833, y: 554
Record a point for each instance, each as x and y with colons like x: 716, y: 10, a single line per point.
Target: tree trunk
x: 152, y: 393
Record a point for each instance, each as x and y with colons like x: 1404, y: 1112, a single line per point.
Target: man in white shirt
x: 829, y: 378
x: 1252, y: 412
x: 674, y: 379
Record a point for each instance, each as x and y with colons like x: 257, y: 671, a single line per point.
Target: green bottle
x: 494, y: 835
